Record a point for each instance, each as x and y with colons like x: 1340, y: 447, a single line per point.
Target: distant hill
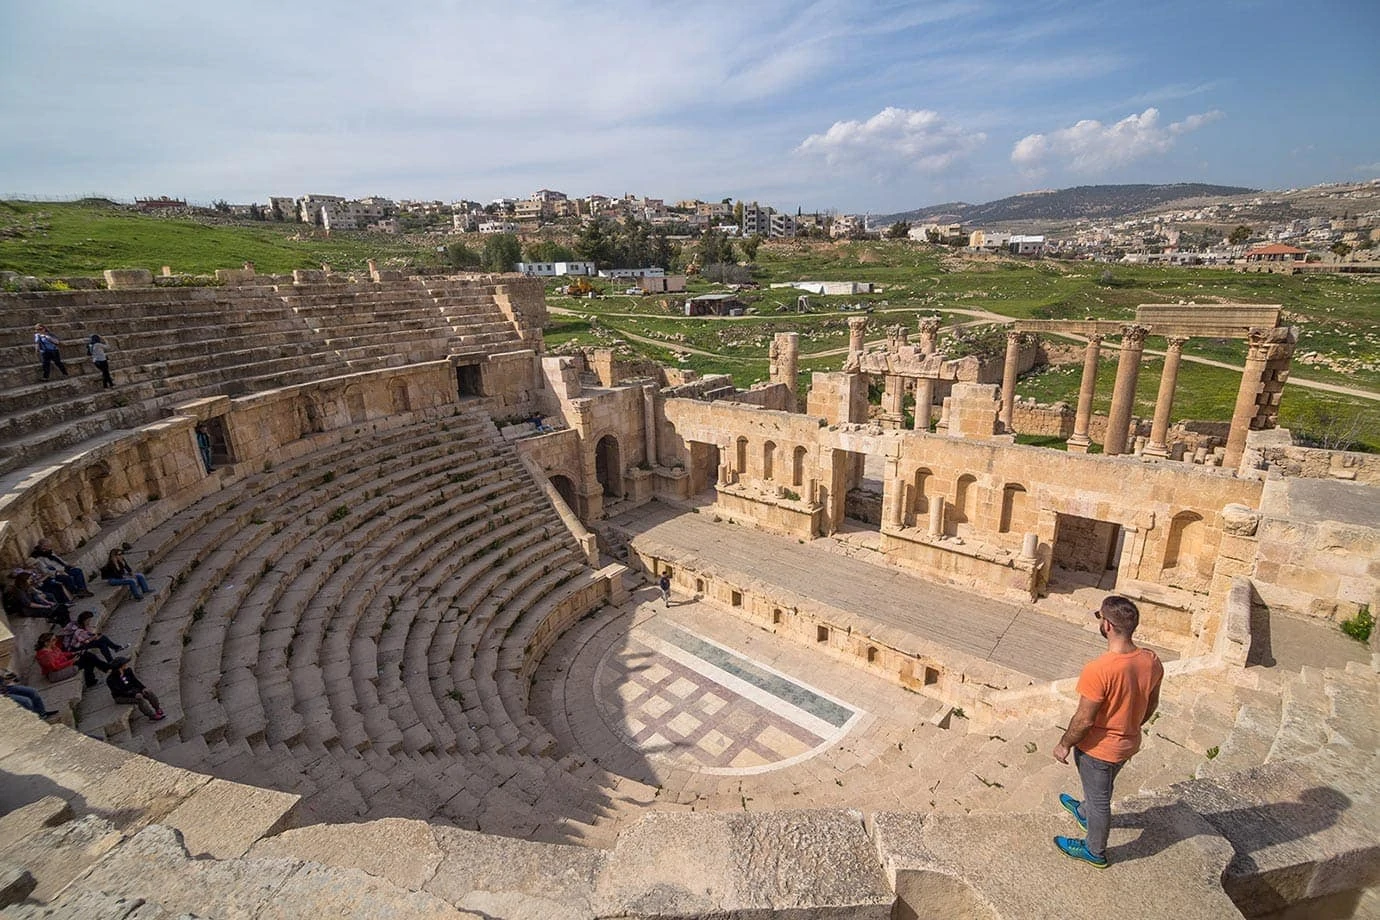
x: 1059, y: 205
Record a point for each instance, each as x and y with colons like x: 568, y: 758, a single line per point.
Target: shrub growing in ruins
x: 1360, y: 626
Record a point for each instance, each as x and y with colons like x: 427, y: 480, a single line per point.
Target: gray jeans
x: 1097, y: 776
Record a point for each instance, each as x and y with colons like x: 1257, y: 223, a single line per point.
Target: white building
x: 988, y: 240
x: 498, y: 226
x: 554, y: 269
x: 1025, y: 245
x: 649, y: 272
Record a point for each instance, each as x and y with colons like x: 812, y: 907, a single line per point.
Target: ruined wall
x: 1274, y: 450
x: 125, y: 487
x: 512, y: 383
x: 523, y: 302
x: 1319, y: 547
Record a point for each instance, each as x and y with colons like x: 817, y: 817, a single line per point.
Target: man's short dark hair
x: 1121, y: 614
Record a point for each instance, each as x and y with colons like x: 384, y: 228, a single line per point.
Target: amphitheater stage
x: 1011, y: 636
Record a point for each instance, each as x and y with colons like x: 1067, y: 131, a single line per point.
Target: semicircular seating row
x: 176, y: 344
x: 351, y: 625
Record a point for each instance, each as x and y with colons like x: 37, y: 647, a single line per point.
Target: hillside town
x: 1235, y: 231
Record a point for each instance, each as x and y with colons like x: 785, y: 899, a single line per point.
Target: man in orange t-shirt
x: 1118, y: 692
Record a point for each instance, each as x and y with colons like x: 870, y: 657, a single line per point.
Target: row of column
x: 1124, y: 393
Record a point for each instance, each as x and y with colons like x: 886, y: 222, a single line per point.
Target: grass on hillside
x: 49, y: 239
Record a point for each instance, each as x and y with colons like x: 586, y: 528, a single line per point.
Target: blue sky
x: 840, y: 104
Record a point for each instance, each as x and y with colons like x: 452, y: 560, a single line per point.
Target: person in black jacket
x: 125, y: 687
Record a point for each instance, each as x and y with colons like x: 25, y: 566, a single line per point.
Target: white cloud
x: 1090, y: 146
x: 894, y: 138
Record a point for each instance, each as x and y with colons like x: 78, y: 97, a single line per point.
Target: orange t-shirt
x: 1122, y: 684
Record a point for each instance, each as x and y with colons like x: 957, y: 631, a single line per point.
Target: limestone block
x: 308, y: 276
x: 1295, y: 833
x: 504, y: 877
x: 119, y: 279
x: 15, y: 883
x: 48, y: 811
x: 133, y: 790
x: 1007, y: 866
x: 155, y: 864
x: 1239, y: 520
x: 234, y: 275
x: 223, y: 819
x: 401, y: 850
x: 56, y: 855
x: 800, y: 863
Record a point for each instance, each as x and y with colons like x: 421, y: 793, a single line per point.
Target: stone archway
x: 565, y: 487
x: 608, y: 466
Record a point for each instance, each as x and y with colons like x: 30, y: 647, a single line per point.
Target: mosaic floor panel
x: 676, y: 696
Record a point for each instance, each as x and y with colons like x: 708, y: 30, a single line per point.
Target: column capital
x: 929, y: 325
x: 857, y: 322
x: 1013, y: 337
x: 1095, y: 338
x: 1176, y: 342
x: 1133, y: 334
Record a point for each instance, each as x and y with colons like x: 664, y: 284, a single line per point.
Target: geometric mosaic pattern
x: 681, y: 699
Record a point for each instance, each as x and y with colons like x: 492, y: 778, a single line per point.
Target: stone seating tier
x: 353, y: 661
x: 176, y: 344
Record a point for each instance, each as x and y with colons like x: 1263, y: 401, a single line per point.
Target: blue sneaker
x: 1077, y: 848
x: 1075, y: 808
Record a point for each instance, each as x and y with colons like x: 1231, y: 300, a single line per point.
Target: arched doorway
x: 608, y: 466
x: 566, y: 489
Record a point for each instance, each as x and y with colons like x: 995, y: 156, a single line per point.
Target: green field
x: 62, y: 239
x: 1338, y: 317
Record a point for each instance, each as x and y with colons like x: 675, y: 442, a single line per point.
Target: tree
x: 461, y: 256
x: 1239, y: 235
x: 222, y: 206
x: 1341, y: 250
x: 899, y: 230
x: 502, y: 251
x: 749, y: 246
x: 256, y: 212
x: 738, y: 213
x: 595, y: 243
x: 715, y: 248
x: 549, y: 251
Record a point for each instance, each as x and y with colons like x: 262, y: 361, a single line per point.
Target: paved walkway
x: 1005, y: 634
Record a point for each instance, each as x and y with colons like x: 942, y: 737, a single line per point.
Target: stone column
x: 857, y: 326
x: 893, y: 398
x: 924, y: 403
x: 1079, y: 442
x: 943, y: 424
x: 1124, y: 391
x: 1164, y: 400
x: 896, y: 337
x: 937, y: 516
x: 786, y: 362
x: 929, y: 335
x: 649, y: 422
x: 1258, y: 344
x: 1008, y: 378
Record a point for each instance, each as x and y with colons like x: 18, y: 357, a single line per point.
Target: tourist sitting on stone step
x: 42, y: 559
x: 81, y: 636
x: 59, y: 664
x: 25, y: 696
x: 125, y: 687
x: 31, y: 602
x: 117, y: 572
x: 97, y: 349
x: 46, y: 579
